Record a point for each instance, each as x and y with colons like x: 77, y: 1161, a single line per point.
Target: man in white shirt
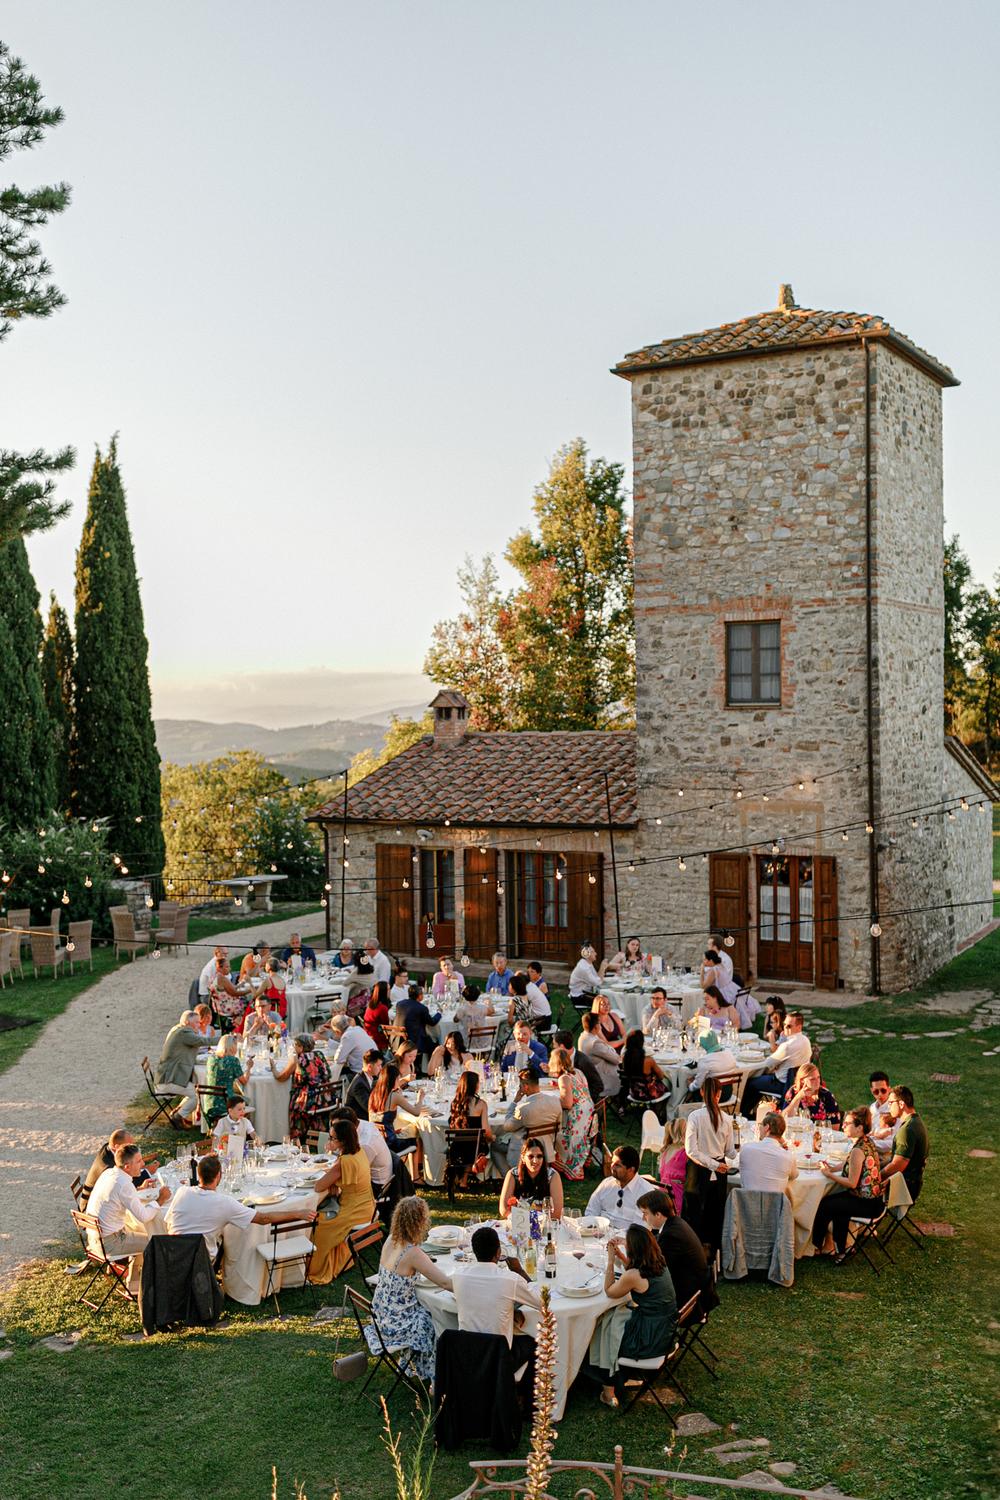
x: 486, y: 1292
x: 787, y: 1055
x: 585, y: 980
x: 232, y: 1132
x: 400, y: 987
x: 372, y: 1143
x: 114, y: 1201
x: 204, y: 1210
x: 767, y: 1165
x: 354, y: 1043
x: 616, y: 1198
x: 381, y: 967
x: 883, y: 1124
x: 713, y: 1065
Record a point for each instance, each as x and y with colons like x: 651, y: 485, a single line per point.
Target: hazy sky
x: 344, y: 277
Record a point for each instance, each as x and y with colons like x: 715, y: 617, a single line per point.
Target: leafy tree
x: 467, y: 653
x: 26, y: 291
x: 982, y: 623
x: 27, y: 783
x: 116, y: 767
x: 47, y: 859
x: 568, y: 632
x: 401, y: 734
x: 957, y: 577
x: 57, y: 685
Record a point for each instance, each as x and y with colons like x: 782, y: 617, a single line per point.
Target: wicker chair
x: 7, y: 940
x: 45, y: 951
x: 126, y: 938
x: 80, y: 935
x: 175, y: 935
x: 22, y: 920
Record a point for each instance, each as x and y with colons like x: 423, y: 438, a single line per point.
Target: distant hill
x: 304, y: 749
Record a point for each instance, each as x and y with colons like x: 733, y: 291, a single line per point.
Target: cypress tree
x: 57, y: 685
x: 116, y: 767
x: 27, y: 785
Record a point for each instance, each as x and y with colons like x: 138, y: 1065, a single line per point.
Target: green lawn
x: 883, y: 1386
x: 39, y: 1000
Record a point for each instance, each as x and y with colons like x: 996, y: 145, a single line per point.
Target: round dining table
x: 630, y: 996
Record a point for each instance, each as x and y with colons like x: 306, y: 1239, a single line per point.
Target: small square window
x: 753, y: 662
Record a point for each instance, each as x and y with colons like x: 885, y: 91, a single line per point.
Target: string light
x: 70, y: 946
x: 631, y: 869
x: 274, y: 869
x: 728, y: 941
x: 138, y: 817
x: 447, y: 822
x: 328, y: 886
x: 592, y: 878
x: 875, y: 930
x: 499, y: 887
x: 869, y: 828
x: 739, y: 793
x: 406, y: 886
x: 776, y: 847
x: 964, y: 804
x: 465, y: 960
x: 347, y: 864
x: 485, y: 880
x: 659, y: 822
x: 802, y: 786
x: 680, y: 791
x: 951, y: 816
x: 5, y: 878
x: 124, y: 869
x: 65, y: 898
x: 323, y: 901
x: 765, y: 798
x: 41, y: 869
x: 559, y: 874
x: 156, y: 953
x: 680, y: 863
x: 844, y: 835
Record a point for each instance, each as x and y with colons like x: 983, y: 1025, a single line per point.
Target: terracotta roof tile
x: 787, y: 327
x: 543, y: 779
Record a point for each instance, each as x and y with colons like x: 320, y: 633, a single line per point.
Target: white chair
x: 652, y: 1134
x: 287, y: 1245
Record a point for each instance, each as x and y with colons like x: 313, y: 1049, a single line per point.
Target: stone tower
x: 789, y: 639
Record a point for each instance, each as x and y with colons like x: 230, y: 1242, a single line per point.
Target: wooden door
x: 584, y: 877
x: 541, y: 894
x: 729, y: 905
x: 785, y: 926
x: 827, y: 929
x: 394, y: 899
x: 436, y: 927
x: 479, y: 901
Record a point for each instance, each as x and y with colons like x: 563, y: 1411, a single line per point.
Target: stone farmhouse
x: 788, y: 778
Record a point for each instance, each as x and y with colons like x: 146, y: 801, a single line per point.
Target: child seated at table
x: 233, y: 1127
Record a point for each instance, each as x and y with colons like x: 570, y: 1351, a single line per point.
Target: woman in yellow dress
x: 350, y: 1179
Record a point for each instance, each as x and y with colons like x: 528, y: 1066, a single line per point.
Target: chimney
x: 786, y: 298
x: 451, y: 716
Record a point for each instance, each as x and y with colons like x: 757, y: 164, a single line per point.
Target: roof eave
x: 382, y: 822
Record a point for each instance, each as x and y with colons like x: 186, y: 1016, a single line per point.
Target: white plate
x: 578, y: 1291
x: 265, y: 1200
x: 444, y: 1234
x: 593, y: 1226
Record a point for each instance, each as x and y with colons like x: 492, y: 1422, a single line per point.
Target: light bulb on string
x: 323, y: 901
x: 156, y: 953
x: 844, y: 836
x: 413, y: 859
x: 592, y: 878
x: 41, y: 869
x: 765, y: 798
x: 739, y: 793
x: 346, y: 839
x: 597, y: 833
x: 89, y: 883
x: 538, y: 843
x: 289, y: 846
x: 70, y: 946
x: 559, y: 874
x: 328, y: 886
x: 347, y: 864
x: 65, y: 898
x: 5, y: 878
x: 776, y: 847
x: 274, y: 869
x: 465, y: 960
x: 485, y: 880
x: 138, y: 817
x: 875, y: 930
x: 170, y: 883
x: 237, y: 900
x: 964, y: 804
x: 704, y: 859
x: 399, y: 833
x: 406, y: 884
x: 659, y: 822
x: 149, y: 902
x: 914, y: 823
x: 499, y: 887
x: 951, y: 816
x: 869, y: 828
x: 729, y: 941
x: 631, y: 869
x: 447, y: 822
x: 982, y: 807
x: 680, y: 791
x: 802, y: 786
x: 680, y: 863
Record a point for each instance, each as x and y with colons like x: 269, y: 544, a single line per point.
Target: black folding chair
x: 462, y: 1146
x: 209, y: 1094
x: 899, y: 1218
x: 89, y: 1229
x: 165, y: 1100
x: 691, y: 1323
x: 288, y: 1245
x: 393, y: 1356
x: 361, y: 1243
x: 865, y: 1233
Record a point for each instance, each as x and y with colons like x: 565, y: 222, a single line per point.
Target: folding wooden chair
x: 165, y: 1098
x: 598, y: 1135
x: 89, y: 1228
x: 462, y: 1146
x: 736, y: 1083
x: 481, y: 1039
x: 361, y: 1242
x: 287, y: 1245
x: 77, y: 1189
x: 389, y: 1354
x: 650, y: 1370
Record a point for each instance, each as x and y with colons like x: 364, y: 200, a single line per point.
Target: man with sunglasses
x: 617, y: 1197
x: 883, y: 1124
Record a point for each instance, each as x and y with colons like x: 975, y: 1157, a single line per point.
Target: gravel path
x: 70, y: 1088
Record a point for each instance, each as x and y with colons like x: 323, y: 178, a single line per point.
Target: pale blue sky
x: 345, y: 277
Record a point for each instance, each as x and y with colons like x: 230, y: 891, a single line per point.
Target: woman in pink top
x: 673, y: 1161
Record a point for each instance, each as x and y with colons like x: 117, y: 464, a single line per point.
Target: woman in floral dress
x: 224, y: 1071
x: 573, y: 1134
x: 401, y: 1319
x: 311, y: 1086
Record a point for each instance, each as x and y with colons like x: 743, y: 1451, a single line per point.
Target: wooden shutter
x: 479, y: 901
x: 825, y: 918
x: 729, y: 905
x: 393, y: 902
x: 585, y: 903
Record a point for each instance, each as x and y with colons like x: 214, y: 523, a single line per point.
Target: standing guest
x: 113, y: 1202
x: 603, y: 1058
x: 500, y: 976
x: 297, y: 949
x: 528, y: 1113
x: 176, y: 1065
x: 642, y: 1076
x: 680, y: 1247
x: 385, y: 1100
x: 911, y: 1146
x: 402, y: 1322
x: 808, y: 1092
x: 414, y: 1015
x: 349, y: 1179
x: 105, y: 1160
x: 224, y: 1071
x: 774, y: 1019
x: 531, y: 1182
x: 617, y: 1197
x: 523, y: 1048
x: 206, y: 1210
x: 708, y: 1141
x: 450, y: 1057
x: 861, y: 1178
x: 471, y: 1012
x: 658, y: 1015
x: 643, y: 1324
x: 360, y: 1091
x: 537, y: 978
x: 585, y: 980
x: 673, y: 1161
x: 311, y: 1091
x: 610, y: 1027
x: 581, y: 1062
x: 713, y: 976
x: 376, y: 1017
x: 344, y: 956
x: 787, y: 1056
x: 717, y: 1010
x: 379, y: 962
x: 400, y: 985
x: 444, y: 977
x: 573, y: 1135
x: 233, y: 1127
x: 486, y: 1294
x: 353, y: 1043
x: 767, y: 1165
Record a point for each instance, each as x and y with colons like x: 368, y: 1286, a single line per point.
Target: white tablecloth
x: 805, y: 1192
x: 678, y: 1073
x: 302, y: 999
x: 632, y: 1002
x: 576, y: 1317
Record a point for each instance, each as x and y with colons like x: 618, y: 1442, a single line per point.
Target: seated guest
x: 414, y: 1015
x: 259, y: 1022
x: 450, y: 1057
x: 344, y: 956
x: 486, y: 1294
x: 500, y: 976
x: 224, y: 1071
x: 717, y: 1010
x: 105, y: 1159
x: 658, y: 1014
x: 643, y: 1324
x: 882, y: 1121
x: 617, y: 1197
x: 350, y: 1180
x: 444, y: 977
x: 708, y: 1141
x: 911, y: 1146
x: 233, y: 1126
x: 253, y: 963
x: 531, y: 1110
x: 376, y: 1017
x: 631, y: 959
x: 206, y: 1210
x: 809, y: 1093
x: 311, y: 1088
x: 375, y: 962
x: 405, y: 1055
x: 226, y: 1000
x: 573, y: 1138
x: 175, y: 1068
x: 471, y: 1012
x: 273, y: 990
x: 208, y: 1031
x: 713, y: 977
x: 673, y: 1161
x: 113, y: 1200
x: 359, y: 1093
x: 715, y: 1064
x: 767, y: 1165
x: 581, y: 1062
x: 402, y: 1320
x: 385, y: 1100
x: 218, y: 961
x: 468, y: 1112
x: 522, y: 1048
x: 774, y: 1019
x: 296, y: 949
x: 400, y: 985
x: 585, y: 980
x: 380, y: 1158
x: 531, y: 1182
x: 603, y: 1057
x: 610, y: 1027
x: 537, y: 978
x: 527, y: 1003
x: 641, y: 1074
x: 680, y: 1246
x: 862, y: 1181
x: 787, y: 1056
x: 353, y: 1043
